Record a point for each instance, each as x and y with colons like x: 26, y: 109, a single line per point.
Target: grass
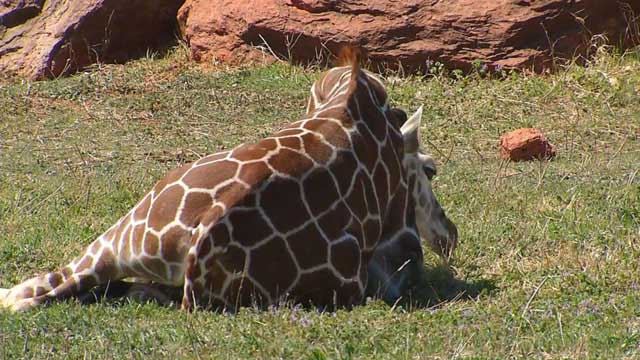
x: 547, y: 266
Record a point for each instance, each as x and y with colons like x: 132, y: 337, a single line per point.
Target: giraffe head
x: 397, y: 263
x: 434, y: 226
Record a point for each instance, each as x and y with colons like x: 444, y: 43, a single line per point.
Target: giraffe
x: 296, y: 215
x: 396, y: 265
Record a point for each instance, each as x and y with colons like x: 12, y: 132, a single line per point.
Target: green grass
x: 547, y: 265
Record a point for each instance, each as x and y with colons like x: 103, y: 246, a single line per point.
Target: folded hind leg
x: 35, y: 286
x: 74, y: 284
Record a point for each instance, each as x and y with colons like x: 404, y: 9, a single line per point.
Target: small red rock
x: 526, y: 144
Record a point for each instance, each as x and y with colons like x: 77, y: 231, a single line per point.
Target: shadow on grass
x: 438, y: 286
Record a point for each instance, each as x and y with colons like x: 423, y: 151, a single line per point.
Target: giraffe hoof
x: 21, y: 305
x: 3, y: 294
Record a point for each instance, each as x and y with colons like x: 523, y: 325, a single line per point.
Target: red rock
x: 40, y: 39
x: 525, y: 144
x: 499, y: 33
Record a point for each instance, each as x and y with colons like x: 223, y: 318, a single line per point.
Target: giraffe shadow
x: 435, y: 287
x: 438, y: 286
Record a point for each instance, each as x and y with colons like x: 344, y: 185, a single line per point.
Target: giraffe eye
x: 429, y: 171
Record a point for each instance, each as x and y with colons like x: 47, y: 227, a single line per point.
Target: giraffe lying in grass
x: 306, y: 214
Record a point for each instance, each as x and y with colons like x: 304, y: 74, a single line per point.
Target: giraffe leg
x: 35, y: 286
x: 26, y: 297
x: 83, y: 273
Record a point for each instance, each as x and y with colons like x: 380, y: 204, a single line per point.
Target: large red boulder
x: 458, y: 33
x: 40, y: 39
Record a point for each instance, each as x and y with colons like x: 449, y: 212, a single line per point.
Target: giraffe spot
x: 332, y: 132
x: 230, y: 194
x: 174, y: 244
x: 249, y: 227
x: 124, y: 249
x: 290, y: 162
x: 382, y: 186
x: 109, y: 235
x: 268, y: 144
x: 340, y: 113
x: 66, y: 272
x: 247, y: 201
x: 247, y: 152
x: 157, y: 267
x: 151, y: 244
x: 254, y: 172
x: 55, y: 279
x: 319, y: 191
x: 95, y: 247
x: 209, y: 175
x: 137, y: 269
x: 394, y: 165
x: 373, y: 199
x: 211, y: 158
x: 116, y: 237
x: 243, y: 292
x: 233, y: 260
x: 142, y: 208
x: 356, y: 198
x: 374, y: 120
x: 40, y: 290
x: 395, y: 220
x: 317, y: 287
x: 316, y: 149
x: 366, y: 147
x: 282, y: 204
x: 171, y: 177
x: 334, y: 222
x: 372, y: 233
x: 308, y: 246
x: 288, y: 132
x: 343, y: 169
x: 345, y: 257
x: 195, y: 204
x: 84, y: 264
x: 105, y: 266
x: 165, y: 207
x: 137, y: 239
x: 272, y: 267
x: 292, y: 142
x: 220, y: 234
x: 205, y: 246
x: 177, y: 273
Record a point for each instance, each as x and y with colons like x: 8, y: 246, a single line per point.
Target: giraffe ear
x: 410, y: 132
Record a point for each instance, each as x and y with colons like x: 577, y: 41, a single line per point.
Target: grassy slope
x: 549, y: 250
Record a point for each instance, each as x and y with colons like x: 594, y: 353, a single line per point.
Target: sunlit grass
x: 548, y: 251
